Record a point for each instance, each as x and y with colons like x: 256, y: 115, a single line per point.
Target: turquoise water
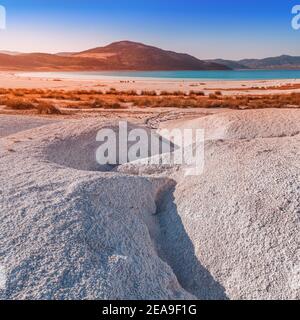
x: 175, y: 75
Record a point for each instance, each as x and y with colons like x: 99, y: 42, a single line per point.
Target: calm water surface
x: 173, y: 75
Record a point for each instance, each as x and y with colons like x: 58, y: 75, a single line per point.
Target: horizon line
x: 139, y: 42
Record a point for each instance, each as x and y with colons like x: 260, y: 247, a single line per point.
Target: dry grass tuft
x: 212, y: 96
x: 44, y: 101
x: 114, y: 106
x: 18, y: 104
x: 151, y: 93
x: 197, y: 93
x: 98, y: 103
x: 47, y: 108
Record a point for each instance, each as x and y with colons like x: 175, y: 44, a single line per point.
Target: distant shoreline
x: 35, y: 80
x: 226, y: 75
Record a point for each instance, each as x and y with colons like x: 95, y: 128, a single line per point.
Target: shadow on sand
x: 176, y: 248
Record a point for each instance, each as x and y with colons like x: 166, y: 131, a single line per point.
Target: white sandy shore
x: 70, y: 231
x: 17, y: 80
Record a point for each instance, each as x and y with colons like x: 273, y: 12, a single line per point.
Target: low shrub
x: 18, y: 104
x: 47, y: 108
x: 151, y: 93
x: 98, y: 104
x: 197, y: 93
x: 212, y: 96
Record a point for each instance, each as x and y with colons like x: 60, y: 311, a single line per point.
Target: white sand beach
x: 20, y: 80
x: 71, y: 231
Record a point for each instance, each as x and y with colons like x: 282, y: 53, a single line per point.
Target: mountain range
x: 128, y: 55
x: 123, y: 55
x: 272, y: 63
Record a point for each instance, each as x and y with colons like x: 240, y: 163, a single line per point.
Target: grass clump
x: 98, y: 104
x: 18, y: 104
x: 212, y: 96
x: 131, y: 93
x: 47, y: 108
x: 115, y: 106
x: 112, y: 91
x: 197, y: 93
x: 150, y: 93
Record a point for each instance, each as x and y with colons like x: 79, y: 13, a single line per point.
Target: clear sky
x: 205, y: 28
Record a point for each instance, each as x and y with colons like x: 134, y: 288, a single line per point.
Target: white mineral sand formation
x: 68, y: 230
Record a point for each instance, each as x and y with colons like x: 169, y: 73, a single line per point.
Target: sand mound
x: 77, y: 149
x: 246, y: 124
x: 68, y: 232
x: 71, y: 234
x: 234, y: 231
x: 13, y: 124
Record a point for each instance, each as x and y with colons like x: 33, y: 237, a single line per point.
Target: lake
x: 172, y: 75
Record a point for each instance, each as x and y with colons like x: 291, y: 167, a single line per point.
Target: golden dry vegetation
x: 58, y: 102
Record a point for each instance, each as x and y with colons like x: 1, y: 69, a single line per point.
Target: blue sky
x: 204, y: 28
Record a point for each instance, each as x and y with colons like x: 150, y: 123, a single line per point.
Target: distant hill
x: 47, y: 62
x: 229, y: 63
x: 281, y: 62
x: 137, y: 56
x: 11, y: 53
x: 272, y: 63
x: 124, y: 55
x: 65, y: 54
